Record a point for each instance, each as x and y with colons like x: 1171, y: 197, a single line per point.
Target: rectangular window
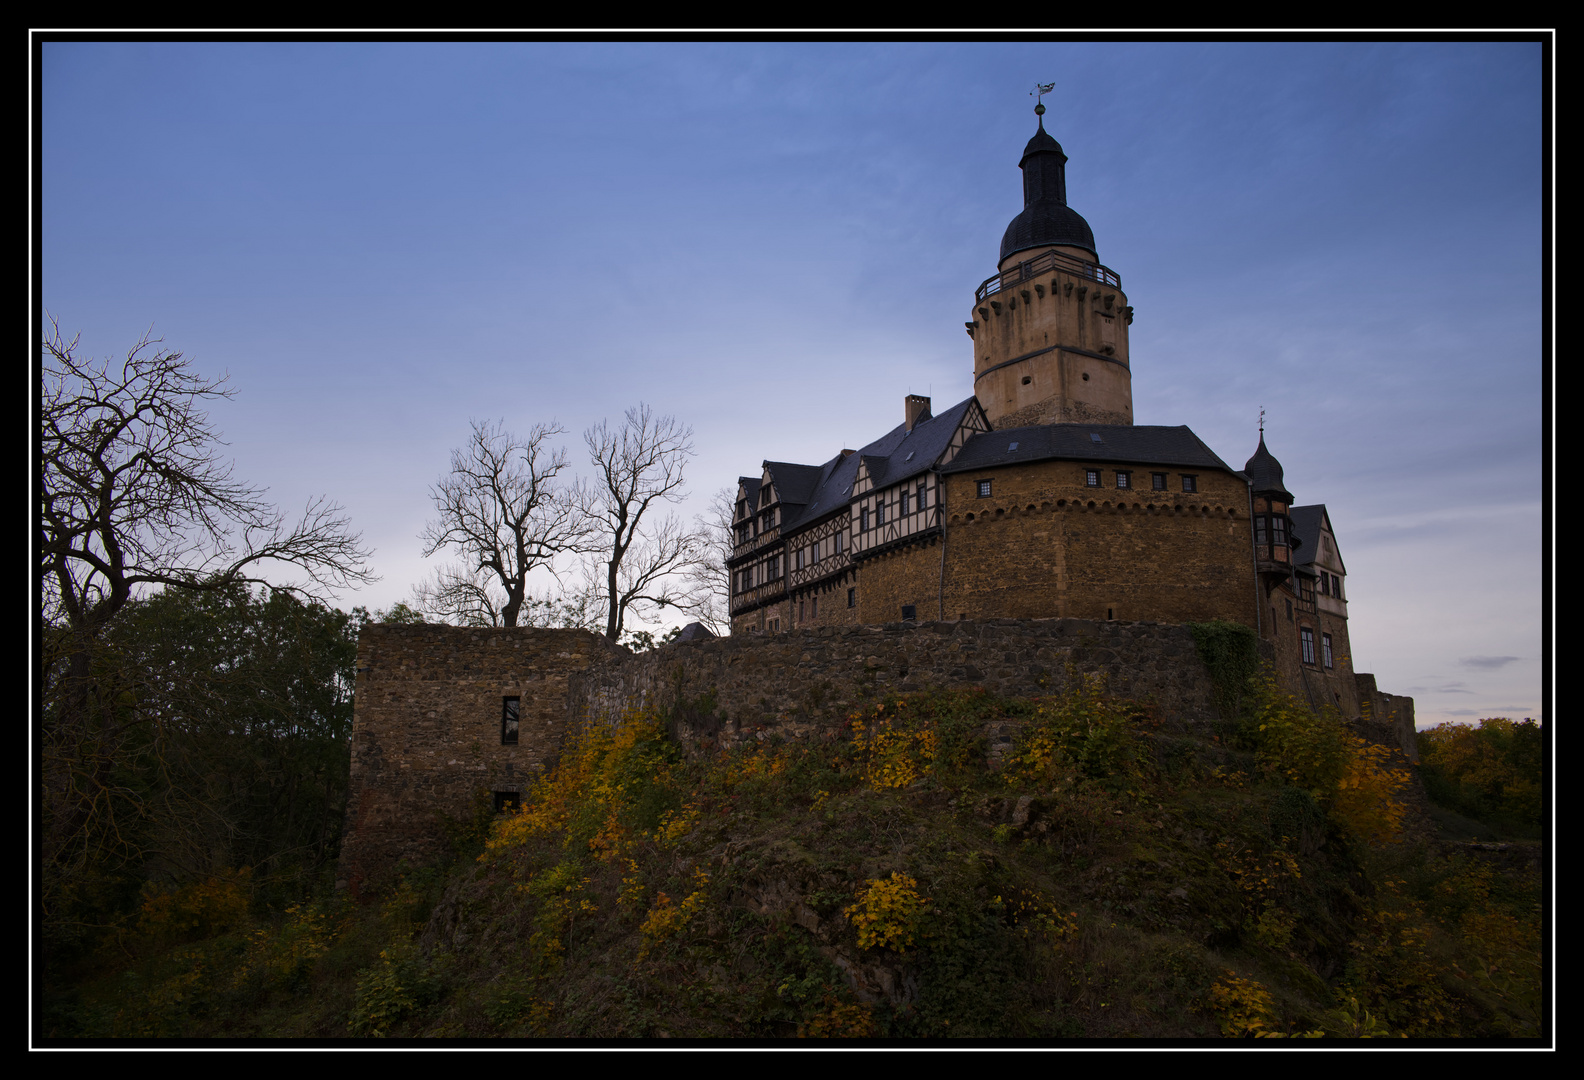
x: 852, y: 597
x: 814, y: 605
x: 1158, y: 481
x: 984, y: 489
x: 814, y: 553
x: 1124, y: 480
x: 909, y: 611
x: 863, y: 519
x: 1306, y: 640
x: 1261, y: 533
x: 507, y: 800
x: 773, y: 568
x: 1190, y: 483
x: 1289, y: 608
x: 510, y: 710
x: 1278, y: 529
x: 1091, y: 477
x: 837, y: 540
x: 802, y: 614
x: 879, y: 513
x: 923, y: 495
x: 1325, y: 649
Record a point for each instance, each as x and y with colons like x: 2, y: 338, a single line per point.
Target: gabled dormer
x: 1319, y: 557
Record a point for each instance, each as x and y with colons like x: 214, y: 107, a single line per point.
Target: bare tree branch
x: 133, y: 492
x: 709, y: 581
x: 636, y: 468
x: 463, y: 596
x: 503, y: 512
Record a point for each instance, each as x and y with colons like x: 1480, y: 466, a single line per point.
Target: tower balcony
x: 1045, y: 263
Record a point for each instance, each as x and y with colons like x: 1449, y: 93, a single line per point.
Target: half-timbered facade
x: 803, y: 532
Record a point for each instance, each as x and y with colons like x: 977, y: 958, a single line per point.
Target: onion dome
x: 1046, y: 218
x: 1265, y: 473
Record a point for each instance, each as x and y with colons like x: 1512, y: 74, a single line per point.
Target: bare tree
x: 133, y: 493
x: 709, y: 581
x: 134, y: 496
x: 463, y: 595
x: 504, y: 513
x: 644, y: 557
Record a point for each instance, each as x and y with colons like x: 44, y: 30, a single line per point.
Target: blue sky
x: 776, y: 242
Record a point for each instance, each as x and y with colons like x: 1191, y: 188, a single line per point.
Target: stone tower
x: 1050, y: 328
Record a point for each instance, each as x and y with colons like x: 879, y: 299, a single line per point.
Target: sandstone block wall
x: 1045, y: 545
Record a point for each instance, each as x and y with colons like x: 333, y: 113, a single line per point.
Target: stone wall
x: 426, y: 736
x: 796, y: 685
x: 1390, y: 714
x: 426, y: 729
x: 1046, y: 545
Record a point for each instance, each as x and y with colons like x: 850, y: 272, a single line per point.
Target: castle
x: 1021, y: 538
x: 1039, y: 497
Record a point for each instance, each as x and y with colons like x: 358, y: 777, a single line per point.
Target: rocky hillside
x: 1102, y: 876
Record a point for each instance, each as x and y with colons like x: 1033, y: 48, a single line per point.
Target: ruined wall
x: 1392, y: 715
x: 427, y: 717
x: 796, y: 685
x: 426, y: 729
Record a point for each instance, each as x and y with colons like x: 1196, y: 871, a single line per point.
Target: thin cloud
x: 1488, y: 663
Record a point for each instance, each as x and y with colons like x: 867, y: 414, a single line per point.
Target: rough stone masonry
x: 429, y: 730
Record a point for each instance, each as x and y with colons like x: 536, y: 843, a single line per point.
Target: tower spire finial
x: 1262, y: 423
x: 1039, y: 91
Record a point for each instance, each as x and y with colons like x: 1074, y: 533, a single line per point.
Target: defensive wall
x: 428, y: 731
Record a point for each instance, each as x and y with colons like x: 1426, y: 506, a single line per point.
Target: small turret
x: 1273, y: 539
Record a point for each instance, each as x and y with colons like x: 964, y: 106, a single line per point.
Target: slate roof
x: 1046, y: 217
x: 750, y: 486
x: 1307, y: 524
x: 895, y: 456
x: 1120, y: 443
x: 1265, y: 472
x: 793, y: 483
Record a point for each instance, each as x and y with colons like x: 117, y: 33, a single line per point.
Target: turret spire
x: 1046, y: 218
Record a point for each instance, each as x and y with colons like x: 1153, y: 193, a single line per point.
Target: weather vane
x: 1262, y: 421
x: 1039, y: 91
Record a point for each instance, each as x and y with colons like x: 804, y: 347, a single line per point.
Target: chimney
x: 916, y: 407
